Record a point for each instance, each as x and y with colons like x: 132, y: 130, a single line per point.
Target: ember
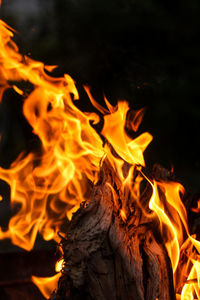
x: 102, y: 174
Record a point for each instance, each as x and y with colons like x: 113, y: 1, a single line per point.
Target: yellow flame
x: 123, y: 215
x: 59, y: 265
x: 20, y: 92
x: 114, y: 131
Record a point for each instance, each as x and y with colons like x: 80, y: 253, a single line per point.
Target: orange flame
x: 46, y: 285
x: 173, y: 226
x: 196, y: 209
x: 48, y: 186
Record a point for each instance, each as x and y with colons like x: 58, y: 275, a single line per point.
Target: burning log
x: 112, y: 256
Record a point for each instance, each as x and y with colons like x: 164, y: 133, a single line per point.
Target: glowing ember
x: 49, y: 187
x: 59, y: 265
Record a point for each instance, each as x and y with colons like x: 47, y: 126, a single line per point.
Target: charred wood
x: 107, y: 257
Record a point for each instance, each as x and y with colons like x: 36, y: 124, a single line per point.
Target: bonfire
x: 126, y: 234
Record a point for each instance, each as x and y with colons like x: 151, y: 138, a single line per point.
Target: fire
x: 48, y: 186
x: 59, y: 265
x: 51, y: 185
x: 46, y: 285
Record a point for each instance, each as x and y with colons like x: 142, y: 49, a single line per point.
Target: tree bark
x: 106, y: 258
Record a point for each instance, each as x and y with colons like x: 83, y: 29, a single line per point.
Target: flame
x: 123, y: 215
x: 59, y: 265
x: 114, y: 131
x: 20, y: 92
x: 196, y: 209
x: 48, y: 186
x: 173, y: 225
x: 46, y: 285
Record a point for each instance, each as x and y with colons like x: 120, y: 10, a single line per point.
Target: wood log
x: 108, y: 258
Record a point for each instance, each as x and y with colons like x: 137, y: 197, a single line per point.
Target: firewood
x: 108, y: 258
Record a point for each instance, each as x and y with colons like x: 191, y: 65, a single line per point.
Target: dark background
x: 146, y: 52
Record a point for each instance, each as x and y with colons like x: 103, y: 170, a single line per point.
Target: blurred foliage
x: 144, y: 51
